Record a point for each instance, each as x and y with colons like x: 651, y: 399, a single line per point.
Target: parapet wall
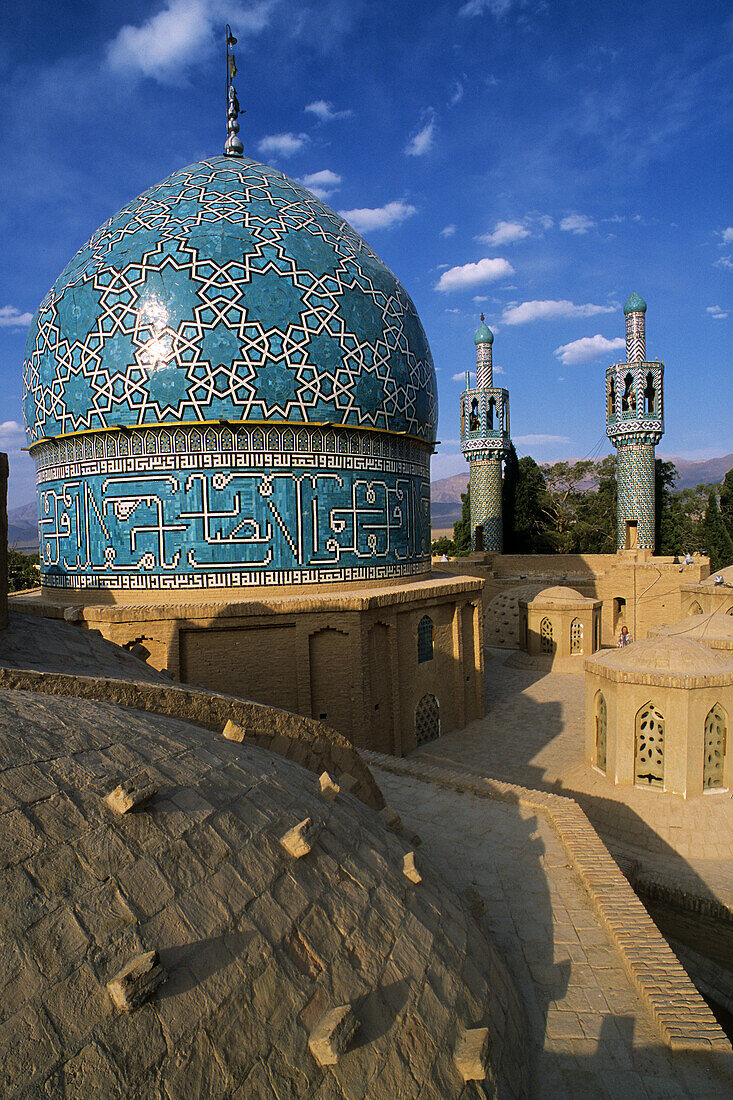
x: 309, y: 743
x: 3, y: 541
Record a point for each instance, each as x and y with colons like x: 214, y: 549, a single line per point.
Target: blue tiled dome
x: 227, y: 292
x: 226, y: 388
x: 484, y: 335
x: 635, y: 304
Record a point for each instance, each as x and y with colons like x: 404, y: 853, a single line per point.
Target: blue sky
x: 538, y: 161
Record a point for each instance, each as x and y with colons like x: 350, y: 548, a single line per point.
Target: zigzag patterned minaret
x: 485, y: 442
x: 635, y: 424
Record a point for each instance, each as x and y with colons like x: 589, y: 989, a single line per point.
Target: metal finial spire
x: 233, y: 146
x: 482, y: 317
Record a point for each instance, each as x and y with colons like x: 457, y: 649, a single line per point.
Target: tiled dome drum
x: 226, y: 387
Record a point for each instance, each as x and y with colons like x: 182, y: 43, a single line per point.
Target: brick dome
x: 256, y: 946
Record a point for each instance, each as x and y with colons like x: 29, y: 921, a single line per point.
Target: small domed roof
x: 670, y: 655
x: 635, y: 304
x: 257, y: 946
x: 726, y: 574
x: 559, y: 593
x: 711, y: 629
x: 484, y: 335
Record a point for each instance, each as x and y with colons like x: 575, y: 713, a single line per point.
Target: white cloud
x: 470, y: 275
x: 480, y: 298
x: 548, y: 310
x: 422, y: 142
x: 717, y: 313
x: 727, y: 235
x: 540, y: 440
x: 588, y: 348
x: 478, y: 7
x: 283, y: 145
x: 10, y: 317
x: 325, y: 112
x: 452, y: 311
x: 577, y: 223
x: 545, y: 221
x: 460, y: 377
x: 11, y: 433
x: 456, y: 94
x: 506, y: 233
x: 725, y: 261
x: 183, y: 33
x: 448, y: 231
x: 365, y: 219
x: 323, y: 183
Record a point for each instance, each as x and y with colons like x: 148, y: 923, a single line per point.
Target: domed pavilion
x: 231, y: 405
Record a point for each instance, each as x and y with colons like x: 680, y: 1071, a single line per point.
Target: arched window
x: 547, y: 642
x: 490, y: 410
x: 650, y: 394
x: 649, y: 747
x: 425, y: 639
x: 463, y: 418
x: 427, y: 720
x: 695, y: 608
x: 601, y: 731
x: 628, y: 397
x: 473, y: 416
x: 612, y: 396
x: 730, y: 610
x: 716, y: 736
x: 576, y: 636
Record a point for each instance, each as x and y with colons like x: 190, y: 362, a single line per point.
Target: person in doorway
x: 688, y: 558
x: 624, y: 638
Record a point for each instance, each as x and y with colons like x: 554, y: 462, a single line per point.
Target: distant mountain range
x: 445, y: 497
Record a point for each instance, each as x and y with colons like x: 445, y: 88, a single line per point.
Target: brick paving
x: 591, y: 1033
x: 533, y: 734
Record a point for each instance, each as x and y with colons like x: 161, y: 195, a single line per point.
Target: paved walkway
x: 533, y: 734
x: 590, y: 1033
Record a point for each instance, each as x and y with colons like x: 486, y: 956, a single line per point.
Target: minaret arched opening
x: 650, y: 394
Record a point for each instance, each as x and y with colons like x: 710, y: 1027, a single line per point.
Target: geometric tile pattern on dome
x: 215, y: 507
x: 227, y: 291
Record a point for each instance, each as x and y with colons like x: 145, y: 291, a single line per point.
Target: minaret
x: 485, y: 442
x: 635, y: 424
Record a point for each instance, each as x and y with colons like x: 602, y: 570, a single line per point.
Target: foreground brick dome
x: 255, y: 946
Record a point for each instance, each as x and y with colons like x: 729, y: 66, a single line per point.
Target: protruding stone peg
x: 409, y: 868
x: 390, y: 818
x: 233, y: 731
x: 329, y: 789
x: 298, y: 841
x: 332, y: 1034
x: 129, y: 796
x: 136, y: 982
x: 471, y: 1051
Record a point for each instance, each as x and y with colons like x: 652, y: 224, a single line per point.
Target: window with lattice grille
x: 427, y: 720
x: 425, y: 639
x: 649, y: 748
x: 695, y: 608
x: 547, y: 642
x: 576, y: 636
x: 716, y: 736
x: 601, y: 731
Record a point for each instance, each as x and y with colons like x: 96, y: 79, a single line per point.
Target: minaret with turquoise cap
x: 485, y: 442
x: 635, y: 424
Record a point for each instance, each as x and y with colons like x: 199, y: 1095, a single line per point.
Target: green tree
x: 716, y: 539
x: 672, y: 531
x: 462, y: 526
x: 442, y: 546
x: 509, y: 496
x: 531, y: 534
x: 726, y: 501
x: 594, y: 526
x: 22, y: 571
